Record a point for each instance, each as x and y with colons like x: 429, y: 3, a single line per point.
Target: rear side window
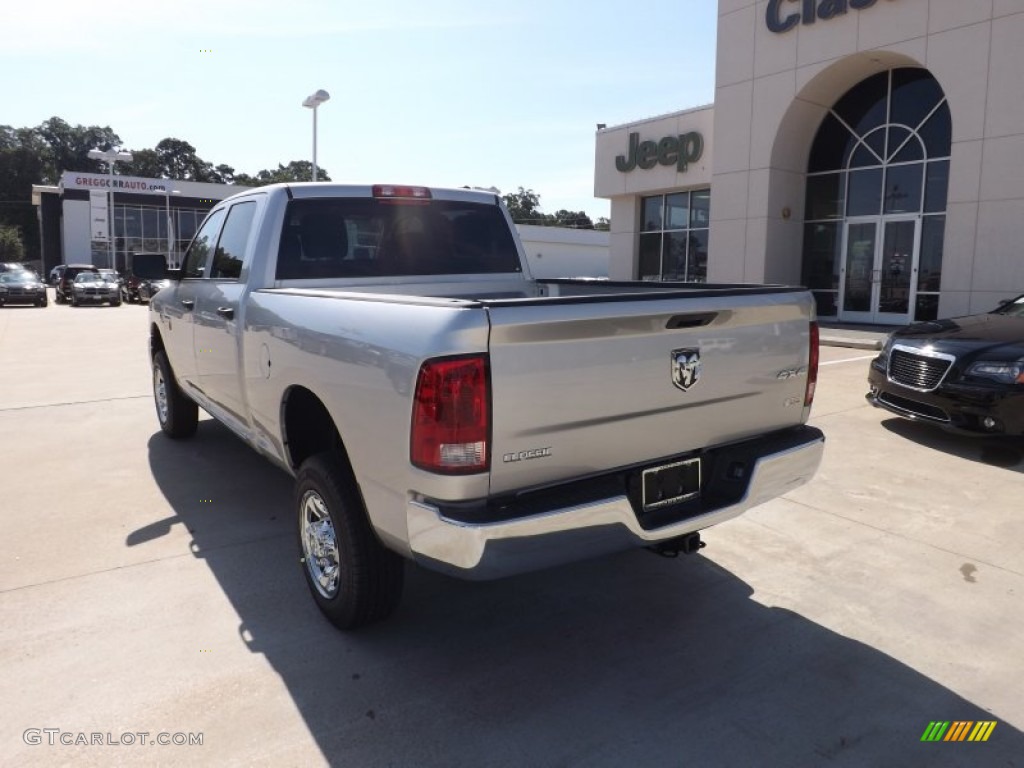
x: 198, y: 252
x: 367, y: 237
x: 234, y: 239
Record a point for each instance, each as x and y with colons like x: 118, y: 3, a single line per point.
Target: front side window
x: 234, y: 240
x: 674, y: 236
x: 199, y: 251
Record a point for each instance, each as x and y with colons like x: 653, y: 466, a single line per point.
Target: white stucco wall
x: 565, y: 252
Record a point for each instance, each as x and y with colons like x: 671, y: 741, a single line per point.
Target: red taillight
x: 812, y: 366
x: 395, y: 190
x: 450, y: 416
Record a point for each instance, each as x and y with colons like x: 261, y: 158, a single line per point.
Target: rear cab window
x: 369, y: 237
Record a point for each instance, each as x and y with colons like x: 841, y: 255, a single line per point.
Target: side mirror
x: 172, y: 274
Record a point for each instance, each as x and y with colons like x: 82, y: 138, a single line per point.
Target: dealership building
x: 149, y: 216
x: 872, y: 150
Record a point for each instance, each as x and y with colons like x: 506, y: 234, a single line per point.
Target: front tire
x: 177, y: 414
x: 353, y: 578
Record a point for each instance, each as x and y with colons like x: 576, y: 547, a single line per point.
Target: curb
x: 839, y: 341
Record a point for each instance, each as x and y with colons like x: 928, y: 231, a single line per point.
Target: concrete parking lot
x: 153, y: 586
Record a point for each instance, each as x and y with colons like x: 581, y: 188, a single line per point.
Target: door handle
x: 226, y: 312
x: 188, y: 303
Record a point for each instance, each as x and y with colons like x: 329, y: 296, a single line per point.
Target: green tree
x: 178, y: 160
x: 296, y: 170
x: 145, y: 163
x: 574, y: 219
x: 11, y: 247
x: 67, y: 147
x: 603, y: 224
x: 524, y: 207
x: 20, y: 168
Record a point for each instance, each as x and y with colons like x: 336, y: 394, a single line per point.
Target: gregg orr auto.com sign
x: 99, y: 181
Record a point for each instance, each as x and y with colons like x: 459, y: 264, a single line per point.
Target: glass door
x: 879, y: 269
x: 856, y: 276
x: 897, y: 270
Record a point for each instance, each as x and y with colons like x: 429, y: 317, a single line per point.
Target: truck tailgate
x: 583, y: 387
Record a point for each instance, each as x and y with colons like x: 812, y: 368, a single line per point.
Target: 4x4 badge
x: 685, y: 367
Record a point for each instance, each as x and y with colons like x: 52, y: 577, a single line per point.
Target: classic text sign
x: 807, y: 11
x: 679, y: 151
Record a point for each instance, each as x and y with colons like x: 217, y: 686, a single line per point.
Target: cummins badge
x: 685, y: 367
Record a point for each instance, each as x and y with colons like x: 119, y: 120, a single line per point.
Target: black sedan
x: 22, y: 288
x: 964, y: 373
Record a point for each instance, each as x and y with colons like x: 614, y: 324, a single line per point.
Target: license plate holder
x: 670, y: 484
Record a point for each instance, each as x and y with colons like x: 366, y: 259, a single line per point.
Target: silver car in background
x: 94, y: 288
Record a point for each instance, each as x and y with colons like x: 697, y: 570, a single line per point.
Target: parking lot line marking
x: 848, y: 360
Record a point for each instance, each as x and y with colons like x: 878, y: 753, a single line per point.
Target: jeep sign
x: 679, y: 151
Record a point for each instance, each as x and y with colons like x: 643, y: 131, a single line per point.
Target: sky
x: 439, y: 93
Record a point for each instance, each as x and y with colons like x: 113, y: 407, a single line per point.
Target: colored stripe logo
x: 958, y: 730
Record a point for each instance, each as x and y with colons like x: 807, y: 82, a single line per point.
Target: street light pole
x: 111, y: 156
x: 312, y: 102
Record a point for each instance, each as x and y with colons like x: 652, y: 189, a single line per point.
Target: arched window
x: 882, y: 150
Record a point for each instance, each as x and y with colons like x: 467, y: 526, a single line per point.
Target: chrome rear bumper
x: 493, y: 550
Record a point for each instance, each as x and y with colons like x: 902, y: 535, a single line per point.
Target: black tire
x: 180, y: 416
x: 74, y: 302
x: 367, y: 577
x: 116, y: 303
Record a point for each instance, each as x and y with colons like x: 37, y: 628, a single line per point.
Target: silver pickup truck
x: 387, y: 346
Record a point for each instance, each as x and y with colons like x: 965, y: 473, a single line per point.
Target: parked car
x: 13, y: 266
x: 18, y: 287
x: 56, y: 272
x: 963, y: 373
x: 94, y: 288
x: 62, y: 292
x: 147, y: 289
x: 142, y: 269
x: 114, y: 276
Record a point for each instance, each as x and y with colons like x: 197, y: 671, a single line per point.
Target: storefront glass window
x: 929, y: 270
x: 891, y: 135
x: 650, y: 256
x: 651, y: 213
x: 936, y: 185
x: 677, y: 211
x: 700, y: 209
x: 132, y: 221
x: 677, y: 251
x: 825, y: 194
x: 864, y: 197
x: 864, y: 106
x: 903, y: 188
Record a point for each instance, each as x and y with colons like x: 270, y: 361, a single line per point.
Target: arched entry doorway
x: 876, y: 200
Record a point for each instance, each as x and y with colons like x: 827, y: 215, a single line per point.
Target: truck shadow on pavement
x: 996, y: 450
x: 628, y: 660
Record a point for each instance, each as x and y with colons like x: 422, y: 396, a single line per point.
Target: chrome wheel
x: 160, y: 394
x: 319, y: 544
